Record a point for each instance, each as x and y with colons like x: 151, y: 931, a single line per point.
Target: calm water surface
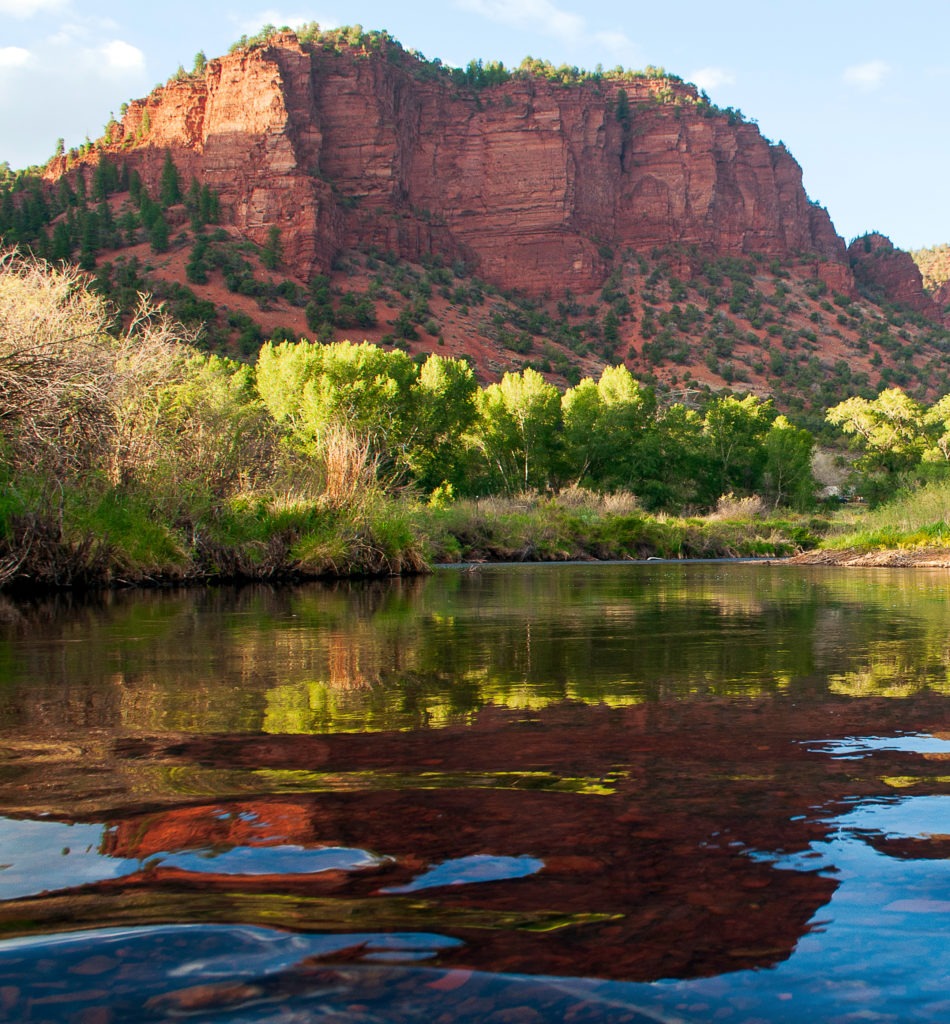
x: 599, y: 793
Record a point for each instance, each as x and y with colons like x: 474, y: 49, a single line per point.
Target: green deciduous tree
x: 788, y: 478
x: 937, y: 422
x: 517, y: 434
x: 890, y: 429
x: 604, y: 430
x: 309, y: 388
x: 734, y: 433
x: 443, y: 402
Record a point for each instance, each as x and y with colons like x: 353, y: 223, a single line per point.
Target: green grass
x: 110, y: 536
x: 533, y: 528
x: 126, y: 525
x: 918, y: 519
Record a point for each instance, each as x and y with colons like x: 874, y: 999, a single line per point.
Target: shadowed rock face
x: 532, y: 182
x: 891, y: 275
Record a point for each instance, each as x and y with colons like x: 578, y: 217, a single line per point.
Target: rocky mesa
x: 533, y: 182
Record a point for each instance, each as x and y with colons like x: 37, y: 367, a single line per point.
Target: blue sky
x: 859, y: 90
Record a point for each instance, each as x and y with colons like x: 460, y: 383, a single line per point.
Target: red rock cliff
x: 890, y: 275
x: 532, y: 182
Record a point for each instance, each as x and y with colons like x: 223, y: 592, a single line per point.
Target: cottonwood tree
x: 412, y: 419
x: 605, y: 429
x: 890, y: 429
x: 517, y: 434
x: 443, y: 400
x: 734, y: 431
x: 788, y: 477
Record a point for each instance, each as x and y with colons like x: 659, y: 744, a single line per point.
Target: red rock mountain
x: 891, y: 275
x: 532, y: 182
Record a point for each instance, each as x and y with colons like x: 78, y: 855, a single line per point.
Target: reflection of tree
x: 417, y: 653
x: 894, y: 675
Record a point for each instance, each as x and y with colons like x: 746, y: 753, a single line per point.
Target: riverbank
x: 887, y: 558
x: 122, y: 541
x: 910, y: 531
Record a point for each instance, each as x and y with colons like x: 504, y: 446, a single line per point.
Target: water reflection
x: 665, y: 778
x: 414, y: 654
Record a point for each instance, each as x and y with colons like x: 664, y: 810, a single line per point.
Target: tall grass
x: 583, y: 525
x: 918, y: 519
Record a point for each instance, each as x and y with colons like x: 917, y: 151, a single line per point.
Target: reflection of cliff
x: 644, y: 840
x: 619, y: 896
x: 654, y: 824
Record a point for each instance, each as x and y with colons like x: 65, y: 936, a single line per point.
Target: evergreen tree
x: 64, y: 194
x: 169, y: 186
x: 158, y: 233
x: 105, y: 179
x: 7, y: 212
x: 271, y: 253
x: 623, y: 106
x: 89, y: 240
x: 108, y: 234
x: 208, y: 207
x: 196, y: 269
x: 135, y: 187
x: 128, y: 224
x: 61, y: 245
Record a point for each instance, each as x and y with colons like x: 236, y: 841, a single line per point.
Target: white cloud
x: 616, y: 41
x: 14, y: 57
x: 540, y: 15
x: 83, y: 32
x: 120, y: 58
x: 24, y: 9
x: 544, y: 16
x: 867, y: 76
x: 709, y: 79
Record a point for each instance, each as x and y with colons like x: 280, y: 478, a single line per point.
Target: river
x: 590, y: 793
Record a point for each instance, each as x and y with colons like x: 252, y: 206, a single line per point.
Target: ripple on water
x: 469, y: 870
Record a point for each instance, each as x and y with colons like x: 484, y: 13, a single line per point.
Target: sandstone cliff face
x: 533, y: 183
x: 942, y: 298
x: 890, y: 275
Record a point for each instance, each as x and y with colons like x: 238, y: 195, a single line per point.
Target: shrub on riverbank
x: 581, y: 525
x: 919, y: 519
x: 110, y: 538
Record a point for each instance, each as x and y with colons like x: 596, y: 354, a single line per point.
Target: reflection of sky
x: 39, y: 856
x: 857, y: 746
x: 45, y: 855
x: 877, y: 951
x: 480, y: 867
x: 269, y: 860
x: 211, y: 952
x: 909, y: 818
